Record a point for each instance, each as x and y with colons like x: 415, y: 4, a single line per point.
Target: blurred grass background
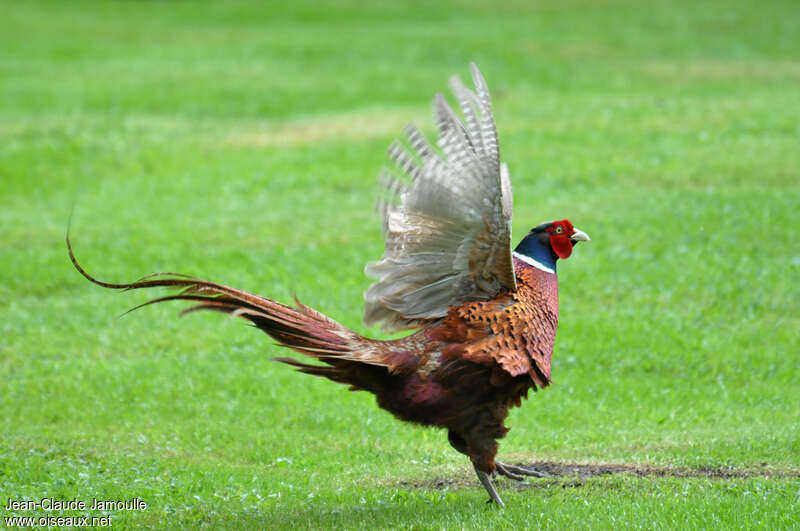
x: 241, y: 142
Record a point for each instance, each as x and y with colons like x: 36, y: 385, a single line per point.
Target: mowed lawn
x: 241, y: 143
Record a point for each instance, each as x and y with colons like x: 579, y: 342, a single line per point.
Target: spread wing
x: 446, y: 217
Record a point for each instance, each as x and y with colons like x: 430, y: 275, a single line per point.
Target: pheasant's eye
x: 559, y: 230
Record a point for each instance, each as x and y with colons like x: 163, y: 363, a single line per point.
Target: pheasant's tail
x: 300, y: 328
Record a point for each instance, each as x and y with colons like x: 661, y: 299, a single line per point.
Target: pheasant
x: 483, y: 316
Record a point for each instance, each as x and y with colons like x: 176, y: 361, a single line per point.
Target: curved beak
x: 579, y: 236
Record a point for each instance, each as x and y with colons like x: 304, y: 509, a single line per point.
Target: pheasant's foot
x: 518, y: 472
x: 487, y: 484
x: 503, y: 470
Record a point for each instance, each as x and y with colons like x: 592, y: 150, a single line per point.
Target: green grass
x: 242, y: 143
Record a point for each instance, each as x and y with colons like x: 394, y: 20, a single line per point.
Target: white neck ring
x: 530, y: 261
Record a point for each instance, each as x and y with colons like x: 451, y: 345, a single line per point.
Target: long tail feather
x: 300, y: 327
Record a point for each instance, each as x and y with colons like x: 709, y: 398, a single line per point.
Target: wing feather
x: 446, y: 216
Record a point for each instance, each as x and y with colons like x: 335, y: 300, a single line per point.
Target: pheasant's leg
x: 458, y: 442
x: 517, y: 472
x: 487, y: 484
x: 478, y: 439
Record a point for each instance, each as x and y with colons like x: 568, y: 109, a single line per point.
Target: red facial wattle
x: 561, y: 245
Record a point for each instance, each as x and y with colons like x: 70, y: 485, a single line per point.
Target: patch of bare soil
x: 568, y: 475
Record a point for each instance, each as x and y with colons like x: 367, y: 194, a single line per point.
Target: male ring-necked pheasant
x: 485, y: 316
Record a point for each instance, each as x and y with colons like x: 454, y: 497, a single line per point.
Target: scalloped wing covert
x: 446, y: 217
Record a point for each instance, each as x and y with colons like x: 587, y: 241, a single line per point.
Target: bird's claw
x: 503, y: 470
x: 518, y: 472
